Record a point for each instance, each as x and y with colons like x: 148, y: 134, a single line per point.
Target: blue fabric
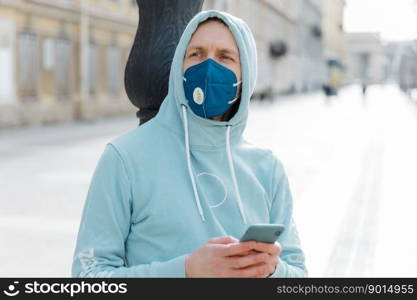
x: 141, y: 215
x: 209, y: 88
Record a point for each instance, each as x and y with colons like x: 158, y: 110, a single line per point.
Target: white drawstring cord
x: 232, y: 170
x: 190, y: 171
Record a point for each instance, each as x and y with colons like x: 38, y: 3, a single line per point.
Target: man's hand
x: 227, y: 257
x: 273, y: 250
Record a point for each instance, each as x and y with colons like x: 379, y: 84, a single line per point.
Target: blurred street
x: 352, y: 166
x: 351, y: 162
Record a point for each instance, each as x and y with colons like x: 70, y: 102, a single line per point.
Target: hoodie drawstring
x: 190, y: 170
x: 232, y: 171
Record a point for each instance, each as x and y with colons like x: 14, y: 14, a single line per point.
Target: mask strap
x: 234, y: 99
x: 237, y: 83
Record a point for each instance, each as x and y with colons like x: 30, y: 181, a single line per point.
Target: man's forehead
x: 215, y: 33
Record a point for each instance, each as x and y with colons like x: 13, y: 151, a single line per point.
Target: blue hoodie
x: 165, y: 188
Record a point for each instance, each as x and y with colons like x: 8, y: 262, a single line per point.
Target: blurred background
x: 336, y: 99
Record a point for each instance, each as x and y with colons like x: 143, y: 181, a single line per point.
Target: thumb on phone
x: 223, y: 240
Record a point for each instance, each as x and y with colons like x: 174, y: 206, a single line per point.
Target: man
x: 171, y: 197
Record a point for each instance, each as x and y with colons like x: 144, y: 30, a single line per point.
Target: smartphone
x: 265, y: 233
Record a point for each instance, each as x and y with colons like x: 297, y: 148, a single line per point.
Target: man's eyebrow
x: 229, y: 51
x: 223, y: 50
x: 194, y: 48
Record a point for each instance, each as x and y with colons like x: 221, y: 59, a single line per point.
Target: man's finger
x: 247, y: 253
x: 238, y: 262
x: 223, y: 240
x: 272, y: 249
x: 259, y: 270
x: 237, y: 248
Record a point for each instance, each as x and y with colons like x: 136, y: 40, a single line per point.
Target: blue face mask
x: 210, y: 88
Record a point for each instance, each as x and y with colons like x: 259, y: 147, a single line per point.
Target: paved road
x: 351, y: 163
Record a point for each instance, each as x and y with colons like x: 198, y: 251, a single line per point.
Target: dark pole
x: 161, y: 24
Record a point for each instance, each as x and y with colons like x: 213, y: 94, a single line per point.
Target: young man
x: 171, y: 197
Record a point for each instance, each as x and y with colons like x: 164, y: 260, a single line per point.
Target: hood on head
x: 248, y: 60
x: 205, y: 132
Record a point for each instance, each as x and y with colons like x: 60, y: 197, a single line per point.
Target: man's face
x: 213, y: 40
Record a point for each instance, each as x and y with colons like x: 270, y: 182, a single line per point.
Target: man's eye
x: 225, y: 57
x: 194, y: 54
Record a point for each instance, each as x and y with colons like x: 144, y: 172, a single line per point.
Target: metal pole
x: 161, y: 24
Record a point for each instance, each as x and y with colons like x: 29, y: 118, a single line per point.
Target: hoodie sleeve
x: 105, y: 225
x: 292, y: 260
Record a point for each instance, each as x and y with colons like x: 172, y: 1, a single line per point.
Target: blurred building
x: 407, y: 71
x: 62, y: 60
x: 401, y: 67
x: 365, y: 58
x: 333, y: 34
x: 394, y: 53
x: 288, y: 35
x: 44, y: 43
x: 310, y: 49
x: 334, y: 41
